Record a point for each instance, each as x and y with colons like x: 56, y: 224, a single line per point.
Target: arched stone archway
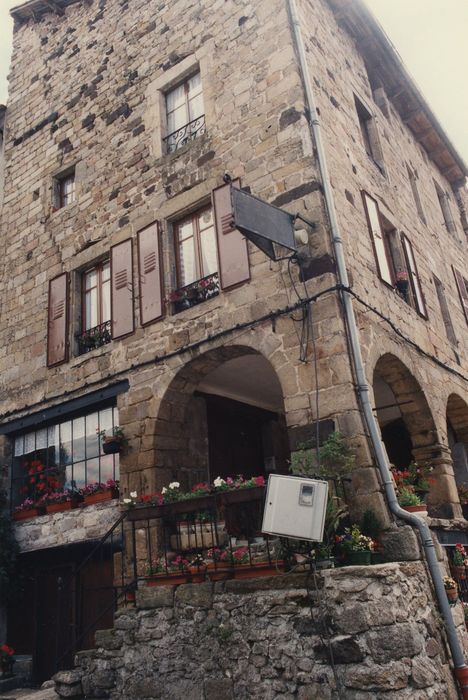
x: 409, y: 431
x: 222, y: 406
x: 457, y: 433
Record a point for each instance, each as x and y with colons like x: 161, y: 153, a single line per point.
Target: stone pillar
x: 443, y: 499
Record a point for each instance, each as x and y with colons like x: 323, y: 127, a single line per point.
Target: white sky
x: 430, y: 36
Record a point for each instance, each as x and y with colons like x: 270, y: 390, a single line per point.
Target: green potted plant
x: 451, y: 589
x: 113, y: 443
x: 357, y: 548
x: 457, y: 564
x: 410, y: 501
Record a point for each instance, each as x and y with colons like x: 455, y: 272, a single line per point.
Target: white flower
x: 133, y: 494
x: 164, y: 490
x: 174, y: 485
x: 127, y: 500
x: 218, y: 481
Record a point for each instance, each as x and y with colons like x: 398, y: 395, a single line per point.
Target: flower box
x: 58, y: 507
x: 27, y: 514
x: 416, y: 509
x: 101, y: 496
x: 169, y: 579
x: 259, y: 570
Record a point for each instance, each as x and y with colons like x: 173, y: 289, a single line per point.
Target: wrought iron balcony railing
x: 94, y: 337
x: 185, y: 134
x: 195, y: 293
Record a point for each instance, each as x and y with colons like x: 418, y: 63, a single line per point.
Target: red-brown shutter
x: 150, y: 271
x: 57, y: 324
x: 233, y: 256
x: 462, y: 290
x: 122, y: 289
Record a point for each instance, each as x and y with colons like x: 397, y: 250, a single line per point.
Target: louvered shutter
x: 375, y: 230
x: 150, y: 271
x: 57, y: 324
x: 414, y: 277
x: 122, y: 289
x: 233, y: 256
x: 462, y: 290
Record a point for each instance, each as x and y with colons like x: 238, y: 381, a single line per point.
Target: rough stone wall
x: 66, y: 527
x: 339, y: 72
x: 267, y: 639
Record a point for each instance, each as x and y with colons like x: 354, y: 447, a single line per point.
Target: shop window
x: 95, y: 307
x: 65, y: 455
x: 185, y: 117
x: 196, y: 259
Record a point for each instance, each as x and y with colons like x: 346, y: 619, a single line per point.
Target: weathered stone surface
x: 394, y: 642
x: 401, y: 544
x: 423, y: 673
x: 155, y: 597
x: 107, y: 639
x: 68, y: 677
x: 218, y: 688
x: 392, y: 676
x: 199, y: 595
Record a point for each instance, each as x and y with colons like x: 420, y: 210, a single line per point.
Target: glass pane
x: 116, y: 467
x: 105, y: 271
x: 68, y: 477
x: 177, y: 119
x: 106, y: 307
x: 205, y: 219
x: 91, y: 279
x: 78, y: 439
x: 188, y: 272
x: 19, y: 442
x: 175, y: 98
x: 41, y: 439
x: 194, y: 85
x: 196, y: 108
x: 65, y: 443
x: 107, y: 467
x: 92, y: 438
x: 208, y: 246
x: 91, y: 309
x: 115, y: 416
x: 29, y: 443
x: 92, y: 471
x: 105, y: 423
x: 79, y: 475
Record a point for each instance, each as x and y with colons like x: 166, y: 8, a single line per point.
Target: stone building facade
x: 123, y: 121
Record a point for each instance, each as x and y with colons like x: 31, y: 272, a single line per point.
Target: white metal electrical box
x: 295, y: 507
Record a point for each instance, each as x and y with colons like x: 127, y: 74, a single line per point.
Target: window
x: 445, y: 208
x: 96, y: 313
x: 65, y: 189
x: 369, y: 133
x: 445, y: 311
x: 184, y: 113
x: 63, y: 455
x: 414, y: 188
x: 395, y: 259
x: 462, y: 285
x: 196, y: 259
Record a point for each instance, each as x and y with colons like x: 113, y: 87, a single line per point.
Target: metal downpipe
x: 461, y: 670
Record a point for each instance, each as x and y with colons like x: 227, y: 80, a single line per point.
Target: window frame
x: 99, y: 266
x: 369, y: 133
x: 60, y: 181
x: 194, y: 217
x: 184, y: 82
x: 414, y: 277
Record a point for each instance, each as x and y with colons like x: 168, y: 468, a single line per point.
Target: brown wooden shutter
x: 377, y: 236
x: 233, y: 256
x: 462, y: 290
x: 122, y: 289
x: 57, y: 325
x: 414, y: 277
x: 150, y: 272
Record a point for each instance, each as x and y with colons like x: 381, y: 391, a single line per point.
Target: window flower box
x: 169, y: 579
x: 28, y: 513
x: 101, y: 496
x: 58, y: 507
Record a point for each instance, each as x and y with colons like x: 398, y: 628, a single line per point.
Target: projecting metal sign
x: 262, y: 223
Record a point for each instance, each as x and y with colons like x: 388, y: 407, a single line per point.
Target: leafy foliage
x: 335, y: 457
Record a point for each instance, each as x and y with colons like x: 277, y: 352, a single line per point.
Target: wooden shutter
x: 57, y: 324
x: 414, y: 277
x: 377, y: 236
x: 122, y: 289
x: 150, y: 274
x: 462, y: 290
x: 233, y: 256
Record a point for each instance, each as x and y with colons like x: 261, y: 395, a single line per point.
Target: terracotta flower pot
x: 27, y: 514
x: 101, y: 496
x: 452, y: 595
x: 58, y: 507
x: 197, y: 574
x: 416, y: 509
x: 169, y: 579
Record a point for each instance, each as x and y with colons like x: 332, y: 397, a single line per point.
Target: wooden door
x: 97, y: 601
